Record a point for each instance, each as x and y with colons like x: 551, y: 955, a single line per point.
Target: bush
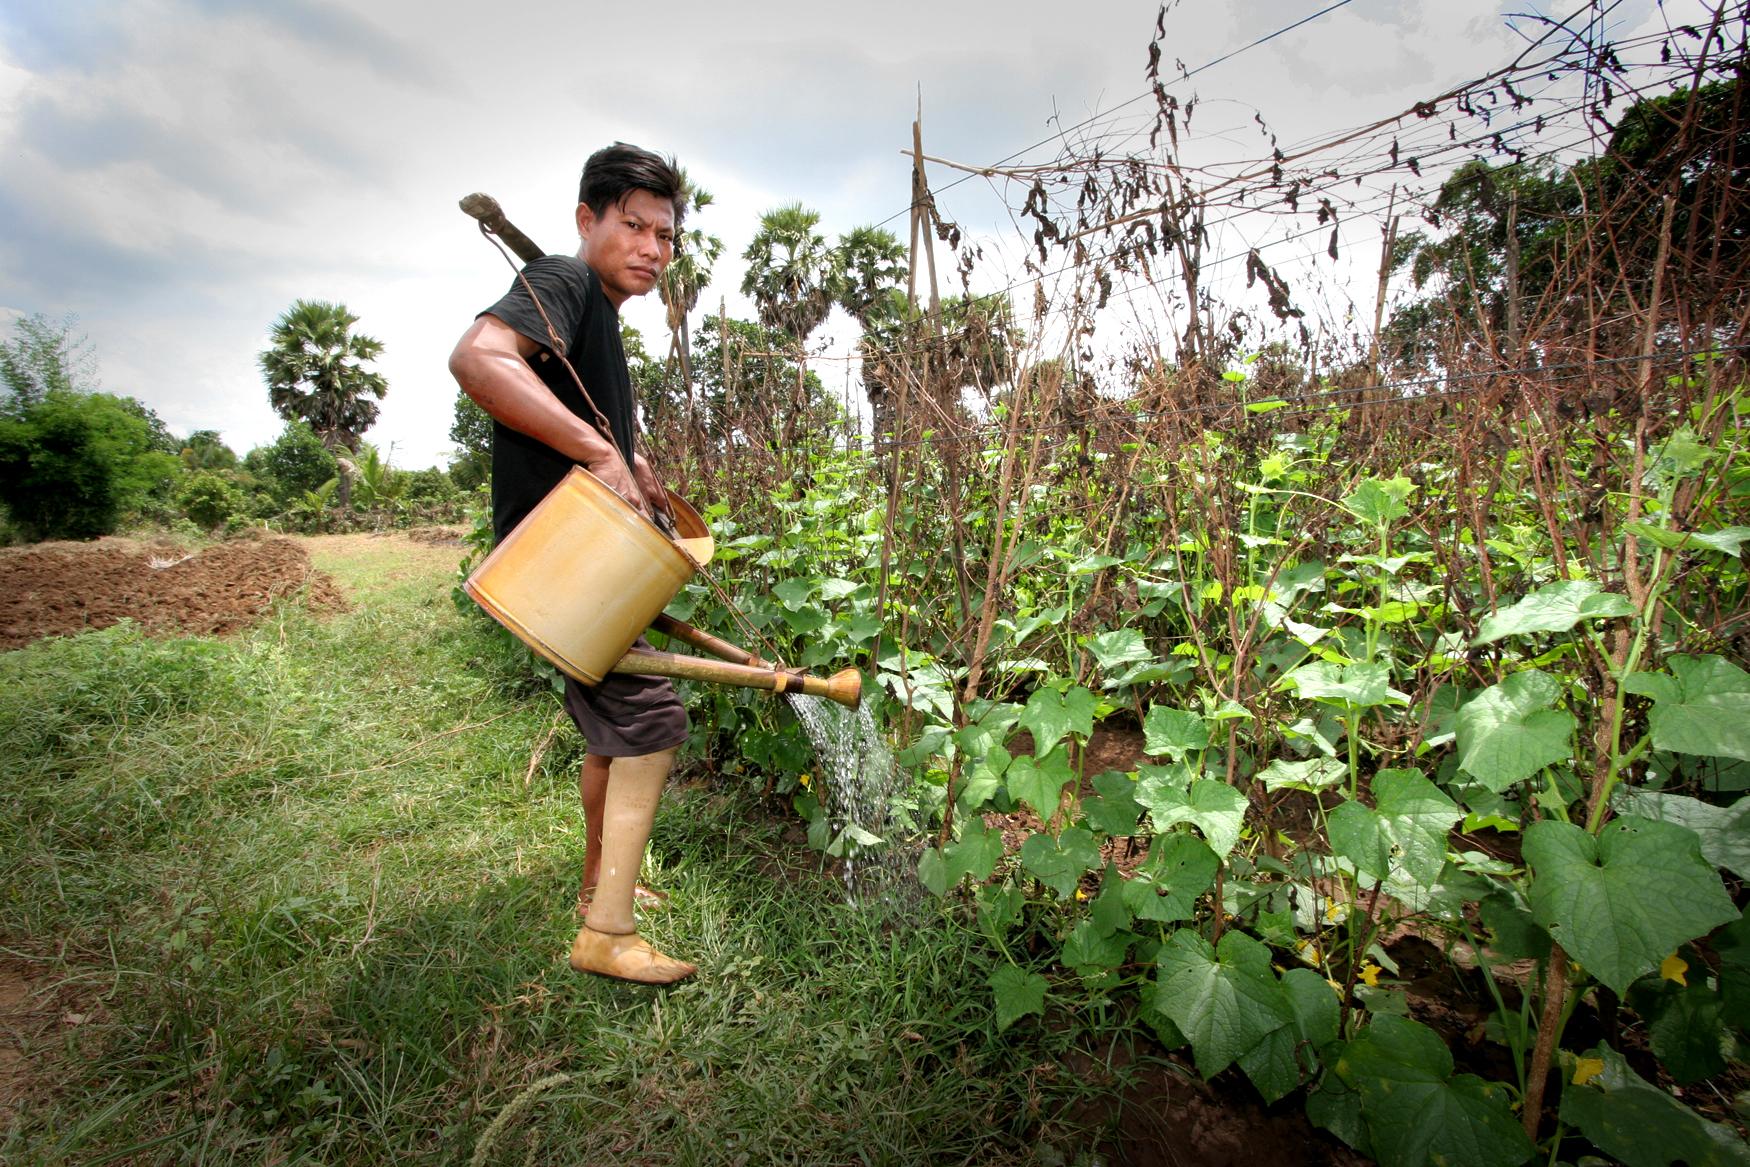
x: 431, y: 485
x: 297, y: 461
x: 209, y: 499
x: 73, y: 464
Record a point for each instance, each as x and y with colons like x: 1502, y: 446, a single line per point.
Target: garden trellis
x: 1435, y: 628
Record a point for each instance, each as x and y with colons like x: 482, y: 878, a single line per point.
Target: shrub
x: 73, y: 464
x: 295, y: 462
x: 209, y: 499
x: 430, y: 485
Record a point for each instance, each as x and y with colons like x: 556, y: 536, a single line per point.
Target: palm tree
x: 314, y: 375
x: 871, y: 261
x: 695, y: 253
x: 794, y: 277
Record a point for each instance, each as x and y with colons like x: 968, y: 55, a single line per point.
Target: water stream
x: 859, y: 782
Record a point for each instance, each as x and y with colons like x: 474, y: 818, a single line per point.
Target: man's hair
x: 616, y: 171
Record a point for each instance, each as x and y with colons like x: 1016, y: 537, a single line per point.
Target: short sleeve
x: 567, y: 290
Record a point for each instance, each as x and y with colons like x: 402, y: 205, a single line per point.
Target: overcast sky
x: 178, y: 171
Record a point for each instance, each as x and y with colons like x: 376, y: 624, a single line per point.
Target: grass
x: 318, y: 908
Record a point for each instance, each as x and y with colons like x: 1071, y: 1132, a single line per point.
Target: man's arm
x: 490, y: 363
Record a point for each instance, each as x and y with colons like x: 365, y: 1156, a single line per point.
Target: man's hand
x: 612, y: 471
x: 654, y: 495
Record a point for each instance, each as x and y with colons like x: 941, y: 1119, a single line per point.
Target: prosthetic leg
x: 609, y: 943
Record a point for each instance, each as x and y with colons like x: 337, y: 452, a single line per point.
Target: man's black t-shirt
x: 525, y: 470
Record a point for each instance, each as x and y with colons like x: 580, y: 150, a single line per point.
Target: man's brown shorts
x: 626, y: 716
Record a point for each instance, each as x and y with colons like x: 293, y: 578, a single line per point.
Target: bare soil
x: 58, y: 589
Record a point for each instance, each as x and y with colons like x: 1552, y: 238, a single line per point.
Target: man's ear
x: 585, y: 220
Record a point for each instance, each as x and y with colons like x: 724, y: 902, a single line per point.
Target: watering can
x: 583, y: 576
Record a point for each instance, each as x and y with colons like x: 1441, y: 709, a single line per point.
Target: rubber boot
x: 609, y: 943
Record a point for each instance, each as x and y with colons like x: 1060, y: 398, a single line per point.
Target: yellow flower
x: 1370, y: 974
x: 1673, y: 967
x: 1586, y: 1069
x: 807, y: 780
x: 1080, y: 894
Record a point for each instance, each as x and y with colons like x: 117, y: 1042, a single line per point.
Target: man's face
x: 628, y: 245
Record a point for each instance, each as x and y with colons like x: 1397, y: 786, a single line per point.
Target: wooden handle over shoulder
x: 485, y: 208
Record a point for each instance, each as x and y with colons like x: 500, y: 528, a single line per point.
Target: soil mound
x: 65, y: 588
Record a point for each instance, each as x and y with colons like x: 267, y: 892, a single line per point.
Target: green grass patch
x: 318, y: 907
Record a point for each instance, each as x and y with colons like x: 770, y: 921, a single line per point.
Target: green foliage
x: 73, y: 465
x: 1224, y: 999
x: 205, y: 450
x: 430, y: 485
x: 471, y: 429
x: 1701, y: 707
x: 1622, y: 900
x: 1508, y: 732
x: 1417, y: 1112
x: 1554, y: 608
x: 294, y: 463
x: 1641, y: 1125
x: 208, y: 499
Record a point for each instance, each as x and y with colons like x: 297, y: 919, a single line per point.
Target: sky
x: 177, y: 172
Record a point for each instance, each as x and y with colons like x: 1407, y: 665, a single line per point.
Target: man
x: 629, y: 205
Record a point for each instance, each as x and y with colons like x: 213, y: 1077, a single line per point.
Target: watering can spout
x: 844, y: 687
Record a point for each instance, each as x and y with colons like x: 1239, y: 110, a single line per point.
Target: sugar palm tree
x: 871, y: 262
x: 793, y: 277
x: 315, y: 375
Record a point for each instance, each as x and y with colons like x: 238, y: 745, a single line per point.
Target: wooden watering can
x: 585, y: 574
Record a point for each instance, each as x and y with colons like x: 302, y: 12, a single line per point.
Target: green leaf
x: 1223, y: 999
x: 1337, y: 1108
x: 808, y: 621
x: 975, y: 853
x: 1733, y: 945
x: 1380, y: 501
x: 1361, y: 684
x: 1108, y: 912
x: 1288, y: 1057
x: 1118, y: 647
x: 1173, y: 732
x: 933, y: 872
x: 1079, y: 705
x: 1115, y: 810
x: 1556, y: 607
x: 1060, y: 863
x: 1089, y: 953
x: 1623, y: 901
x: 793, y: 593
x: 1702, y: 707
x: 1726, y: 539
x: 1724, y: 830
x: 1515, y: 935
x: 1215, y: 808
x: 1017, y: 994
x: 1358, y: 834
x: 1417, y: 816
x: 837, y: 589
x: 930, y: 743
x: 1507, y: 732
x: 1179, y: 868
x: 1418, y: 1113
x: 1046, y: 719
x: 1040, y: 781
x: 1314, y: 774
x: 1639, y: 1124
x: 1683, y: 1024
